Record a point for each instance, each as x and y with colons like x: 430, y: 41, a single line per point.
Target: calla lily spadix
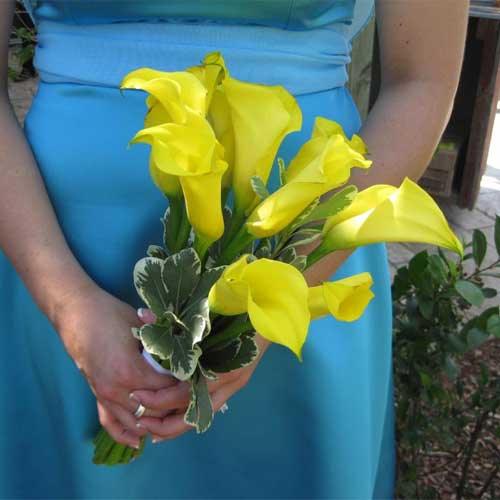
x: 192, y: 153
x: 345, y: 299
x: 274, y: 294
x: 322, y: 164
x: 384, y: 213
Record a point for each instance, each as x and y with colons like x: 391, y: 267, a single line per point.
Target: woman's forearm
x: 30, y: 235
x: 401, y: 132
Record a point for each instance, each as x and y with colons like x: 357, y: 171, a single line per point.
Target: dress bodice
x: 304, y: 44
x: 287, y: 14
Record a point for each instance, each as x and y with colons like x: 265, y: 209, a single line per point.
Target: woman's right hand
x: 95, y: 328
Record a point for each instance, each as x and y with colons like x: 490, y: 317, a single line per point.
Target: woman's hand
x: 175, y: 399
x: 95, y: 328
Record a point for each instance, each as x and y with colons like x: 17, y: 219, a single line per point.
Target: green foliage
x: 23, y: 51
x: 435, y: 325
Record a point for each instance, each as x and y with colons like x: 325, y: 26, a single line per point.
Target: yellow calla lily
x: 210, y: 73
x: 168, y: 184
x: 345, y: 299
x: 323, y: 127
x: 192, y: 153
x: 261, y: 116
x: 274, y: 295
x: 322, y: 164
x: 172, y: 94
x: 250, y: 120
x: 386, y: 213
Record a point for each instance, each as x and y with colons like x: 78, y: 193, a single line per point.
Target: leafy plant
x: 23, y: 41
x: 436, y: 324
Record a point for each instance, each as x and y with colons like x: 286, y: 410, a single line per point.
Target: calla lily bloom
x: 192, y: 153
x: 274, y: 295
x: 322, y: 164
x: 386, y: 213
x: 168, y: 184
x: 172, y: 94
x: 250, y: 120
x: 344, y: 299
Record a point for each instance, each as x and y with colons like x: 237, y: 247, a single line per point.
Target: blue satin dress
x: 320, y: 429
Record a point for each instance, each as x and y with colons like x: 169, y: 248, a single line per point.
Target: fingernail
x: 134, y: 397
x: 138, y: 424
x: 140, y: 312
x: 136, y: 446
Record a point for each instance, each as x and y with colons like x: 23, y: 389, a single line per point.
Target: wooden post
x: 488, y: 31
x: 360, y: 68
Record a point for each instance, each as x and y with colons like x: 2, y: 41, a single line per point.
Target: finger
x: 171, y: 398
x: 147, y: 377
x: 222, y: 395
x: 125, y: 418
x: 173, y: 426
x: 169, y: 427
x: 146, y: 315
x: 115, y: 429
x: 222, y: 380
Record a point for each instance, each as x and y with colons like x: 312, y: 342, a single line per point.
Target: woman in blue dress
x: 78, y: 209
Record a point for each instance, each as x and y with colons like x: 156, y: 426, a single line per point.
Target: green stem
x: 174, y: 220
x: 232, y: 332
x: 239, y: 242
x: 316, y: 255
x: 108, y: 452
x: 237, y: 222
x: 182, y: 232
x: 201, y: 246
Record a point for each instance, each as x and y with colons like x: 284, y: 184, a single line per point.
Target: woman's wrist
x: 59, y: 284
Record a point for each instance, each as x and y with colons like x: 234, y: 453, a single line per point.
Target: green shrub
x: 437, y: 322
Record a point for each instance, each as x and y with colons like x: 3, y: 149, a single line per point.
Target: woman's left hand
x: 175, y: 399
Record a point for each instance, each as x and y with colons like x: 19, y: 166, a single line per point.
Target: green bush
x: 22, y: 43
x: 437, y: 322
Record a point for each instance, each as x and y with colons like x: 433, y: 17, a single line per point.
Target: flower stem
x: 232, y: 332
x: 316, y: 255
x: 239, y: 242
x: 108, y: 452
x: 183, y: 231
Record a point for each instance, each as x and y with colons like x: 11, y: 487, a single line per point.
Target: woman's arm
x: 93, y: 325
x: 421, y: 52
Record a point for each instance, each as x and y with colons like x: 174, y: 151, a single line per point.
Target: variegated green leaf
x: 300, y: 262
x: 184, y: 357
x: 157, y: 251
x: 207, y: 280
x: 149, y: 284
x: 282, y: 169
x: 259, y: 187
x: 333, y: 205
x: 287, y: 255
x: 200, y: 411
x: 207, y: 373
x: 304, y: 215
x: 231, y: 356
x: 264, y: 250
x: 181, y: 274
x: 157, y: 339
x: 197, y: 326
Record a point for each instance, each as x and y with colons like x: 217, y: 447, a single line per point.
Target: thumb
x: 146, y: 315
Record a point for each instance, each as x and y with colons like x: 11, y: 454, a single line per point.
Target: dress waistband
x: 102, y: 54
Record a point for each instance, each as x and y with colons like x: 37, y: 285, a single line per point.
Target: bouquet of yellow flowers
x: 225, y: 272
